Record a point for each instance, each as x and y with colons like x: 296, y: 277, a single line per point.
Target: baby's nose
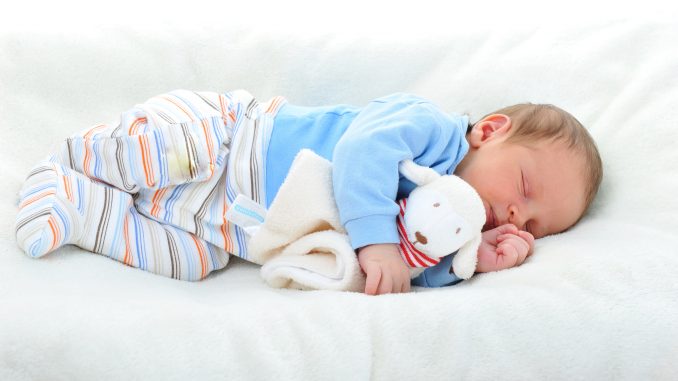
x: 421, y: 238
x: 515, y: 216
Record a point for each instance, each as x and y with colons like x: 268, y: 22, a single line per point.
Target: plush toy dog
x: 442, y: 215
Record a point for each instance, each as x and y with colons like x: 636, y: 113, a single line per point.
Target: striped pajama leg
x: 61, y: 206
x: 66, y: 200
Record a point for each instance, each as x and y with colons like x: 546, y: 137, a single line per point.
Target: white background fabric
x: 599, y: 301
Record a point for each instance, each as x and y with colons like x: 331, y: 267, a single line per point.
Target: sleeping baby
x: 152, y: 189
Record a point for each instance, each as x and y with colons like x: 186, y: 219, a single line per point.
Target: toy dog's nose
x: 421, y: 238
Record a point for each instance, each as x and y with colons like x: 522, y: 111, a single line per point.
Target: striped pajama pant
x: 151, y: 189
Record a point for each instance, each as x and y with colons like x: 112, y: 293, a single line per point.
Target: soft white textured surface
x: 302, y: 243
x: 597, y: 302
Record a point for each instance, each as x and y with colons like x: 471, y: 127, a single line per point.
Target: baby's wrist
x: 380, y: 251
x: 379, y: 247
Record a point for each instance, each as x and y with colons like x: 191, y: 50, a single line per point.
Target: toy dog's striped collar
x: 412, y: 256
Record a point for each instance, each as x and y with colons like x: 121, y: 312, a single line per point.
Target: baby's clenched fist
x: 504, y: 247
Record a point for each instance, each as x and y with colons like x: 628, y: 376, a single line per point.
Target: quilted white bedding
x: 597, y: 302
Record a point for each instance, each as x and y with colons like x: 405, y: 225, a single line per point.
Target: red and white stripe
x: 412, y: 256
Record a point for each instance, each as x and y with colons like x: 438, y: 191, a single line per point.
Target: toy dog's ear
x: 466, y: 260
x: 416, y: 173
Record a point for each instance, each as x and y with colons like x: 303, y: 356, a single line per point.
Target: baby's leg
x: 60, y: 206
x: 171, y: 139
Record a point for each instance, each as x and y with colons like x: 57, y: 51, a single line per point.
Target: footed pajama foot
x: 48, y: 218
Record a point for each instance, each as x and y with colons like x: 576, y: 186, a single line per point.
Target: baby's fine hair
x: 535, y: 122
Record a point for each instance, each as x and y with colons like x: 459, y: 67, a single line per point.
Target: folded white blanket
x: 302, y: 243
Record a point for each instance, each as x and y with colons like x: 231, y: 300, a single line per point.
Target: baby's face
x: 538, y: 187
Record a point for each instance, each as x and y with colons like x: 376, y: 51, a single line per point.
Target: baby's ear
x: 491, y: 126
x: 416, y: 173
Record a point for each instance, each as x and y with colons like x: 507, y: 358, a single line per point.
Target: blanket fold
x: 302, y: 243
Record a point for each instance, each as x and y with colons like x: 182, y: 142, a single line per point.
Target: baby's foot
x: 48, y: 216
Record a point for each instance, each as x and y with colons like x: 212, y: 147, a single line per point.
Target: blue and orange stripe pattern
x: 154, y: 186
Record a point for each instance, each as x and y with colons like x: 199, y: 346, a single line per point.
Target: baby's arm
x: 366, y: 180
x: 365, y: 162
x: 504, y: 247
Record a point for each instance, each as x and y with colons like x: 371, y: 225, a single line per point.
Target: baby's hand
x: 385, y: 269
x: 504, y: 247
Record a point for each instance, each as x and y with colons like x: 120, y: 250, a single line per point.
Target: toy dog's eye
x: 437, y: 204
x: 458, y: 230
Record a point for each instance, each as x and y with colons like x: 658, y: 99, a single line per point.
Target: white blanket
x: 597, y: 302
x: 302, y: 244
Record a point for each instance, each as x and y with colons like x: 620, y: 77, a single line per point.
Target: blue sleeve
x: 365, y: 161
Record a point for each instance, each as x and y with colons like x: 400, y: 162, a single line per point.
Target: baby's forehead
x: 553, y: 154
x: 556, y: 147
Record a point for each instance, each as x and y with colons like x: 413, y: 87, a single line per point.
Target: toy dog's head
x: 444, y: 214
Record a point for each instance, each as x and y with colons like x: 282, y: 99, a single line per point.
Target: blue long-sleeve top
x: 365, y: 146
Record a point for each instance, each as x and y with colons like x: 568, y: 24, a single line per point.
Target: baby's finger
x: 385, y: 285
x: 503, y: 237
x: 372, y: 282
x: 514, y: 239
x: 406, y: 281
x: 509, y: 255
x: 518, y: 242
x: 491, y: 235
x: 507, y: 229
x: 529, y: 238
x: 521, y: 247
